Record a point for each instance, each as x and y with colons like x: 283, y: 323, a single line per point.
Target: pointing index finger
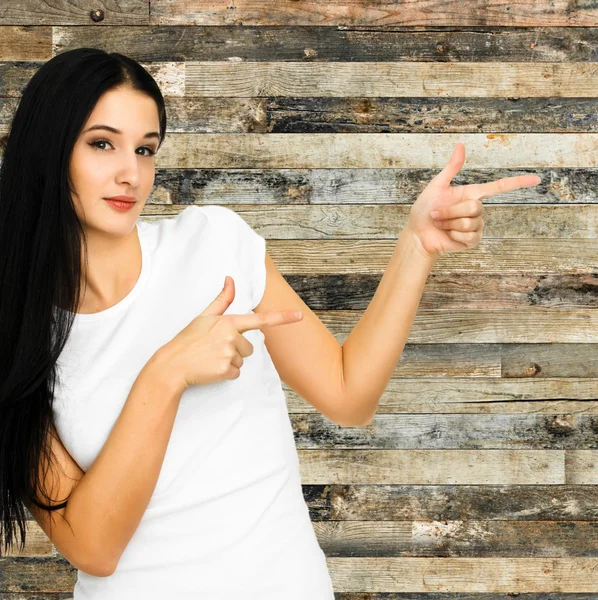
x: 244, y: 323
x: 507, y: 184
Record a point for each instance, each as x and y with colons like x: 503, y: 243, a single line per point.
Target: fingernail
x: 297, y: 314
x: 435, y: 213
x: 225, y: 281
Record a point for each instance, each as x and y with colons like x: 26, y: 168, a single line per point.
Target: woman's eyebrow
x: 151, y: 134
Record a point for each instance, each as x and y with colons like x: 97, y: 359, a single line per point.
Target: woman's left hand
x: 459, y: 224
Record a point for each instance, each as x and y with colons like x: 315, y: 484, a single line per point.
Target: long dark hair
x: 40, y: 259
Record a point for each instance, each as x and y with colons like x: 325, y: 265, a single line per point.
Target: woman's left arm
x: 345, y: 382
x: 443, y: 219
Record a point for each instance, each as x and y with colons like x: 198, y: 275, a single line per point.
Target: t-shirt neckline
x: 133, y: 294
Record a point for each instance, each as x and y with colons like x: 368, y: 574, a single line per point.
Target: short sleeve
x: 247, y: 244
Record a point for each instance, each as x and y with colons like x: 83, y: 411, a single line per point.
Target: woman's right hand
x: 211, y: 347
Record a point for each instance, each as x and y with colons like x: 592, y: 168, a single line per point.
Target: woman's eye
x: 96, y: 143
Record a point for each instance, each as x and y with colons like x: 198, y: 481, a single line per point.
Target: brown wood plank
x: 386, y: 222
x: 549, y: 360
x: 460, y: 596
x: 455, y: 291
x: 468, y: 537
x: 448, y: 574
x: 425, y: 114
x: 581, y: 467
x: 359, y: 115
x: 181, y: 187
x: 401, y: 502
x: 331, y: 44
x: 403, y: 79
x: 477, y: 395
x: 441, y: 360
x: 478, y: 326
x: 352, y: 14
x: 462, y: 467
x: 454, y: 431
x: 63, y: 12
x: 39, y: 574
x: 376, y: 150
x: 355, y: 257
x: 32, y: 43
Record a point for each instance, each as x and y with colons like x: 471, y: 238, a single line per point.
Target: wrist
x: 162, y: 368
x: 411, y: 240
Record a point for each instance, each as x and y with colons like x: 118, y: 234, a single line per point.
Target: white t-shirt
x: 227, y: 519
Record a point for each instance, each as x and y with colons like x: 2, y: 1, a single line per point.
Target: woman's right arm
x: 108, y: 501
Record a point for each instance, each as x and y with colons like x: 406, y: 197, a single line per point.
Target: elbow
x: 352, y: 419
x: 96, y: 568
x: 95, y: 565
x: 354, y: 413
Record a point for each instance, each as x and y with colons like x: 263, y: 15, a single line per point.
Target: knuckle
x: 261, y: 317
x: 223, y: 368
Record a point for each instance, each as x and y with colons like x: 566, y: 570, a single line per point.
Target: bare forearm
x: 111, y: 498
x: 374, y: 346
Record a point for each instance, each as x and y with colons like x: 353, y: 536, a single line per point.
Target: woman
x: 131, y: 406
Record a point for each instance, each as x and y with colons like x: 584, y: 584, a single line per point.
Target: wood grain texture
x: 454, y: 394
x: 315, y: 43
x: 450, y: 502
x: 441, y: 574
x: 362, y: 221
x: 356, y: 13
x: 405, y: 79
x: 451, y: 431
x: 375, y: 150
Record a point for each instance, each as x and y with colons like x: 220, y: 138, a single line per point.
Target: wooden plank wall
x: 320, y: 124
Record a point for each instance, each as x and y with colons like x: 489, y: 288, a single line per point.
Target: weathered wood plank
x: 400, y: 502
x: 356, y: 115
x: 478, y: 326
x: 400, y: 79
x: 376, y: 150
x: 459, y: 596
x: 455, y: 431
x: 37, y: 542
x: 456, y: 291
x: 463, y: 467
x: 25, y: 43
x: 39, y: 574
x: 581, y: 467
x: 447, y: 574
x: 33, y: 12
x: 425, y: 114
x: 295, y: 257
x: 441, y: 360
x: 435, y: 13
x: 15, y: 76
x: 468, y: 537
x: 477, y: 395
x: 356, y: 186
x: 549, y: 360
x: 54, y: 596
x: 316, y: 43
x: 386, y: 222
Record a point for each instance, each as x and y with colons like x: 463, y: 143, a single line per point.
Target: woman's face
x: 105, y: 164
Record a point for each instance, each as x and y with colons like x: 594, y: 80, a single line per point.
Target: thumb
x: 223, y: 299
x: 453, y: 166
